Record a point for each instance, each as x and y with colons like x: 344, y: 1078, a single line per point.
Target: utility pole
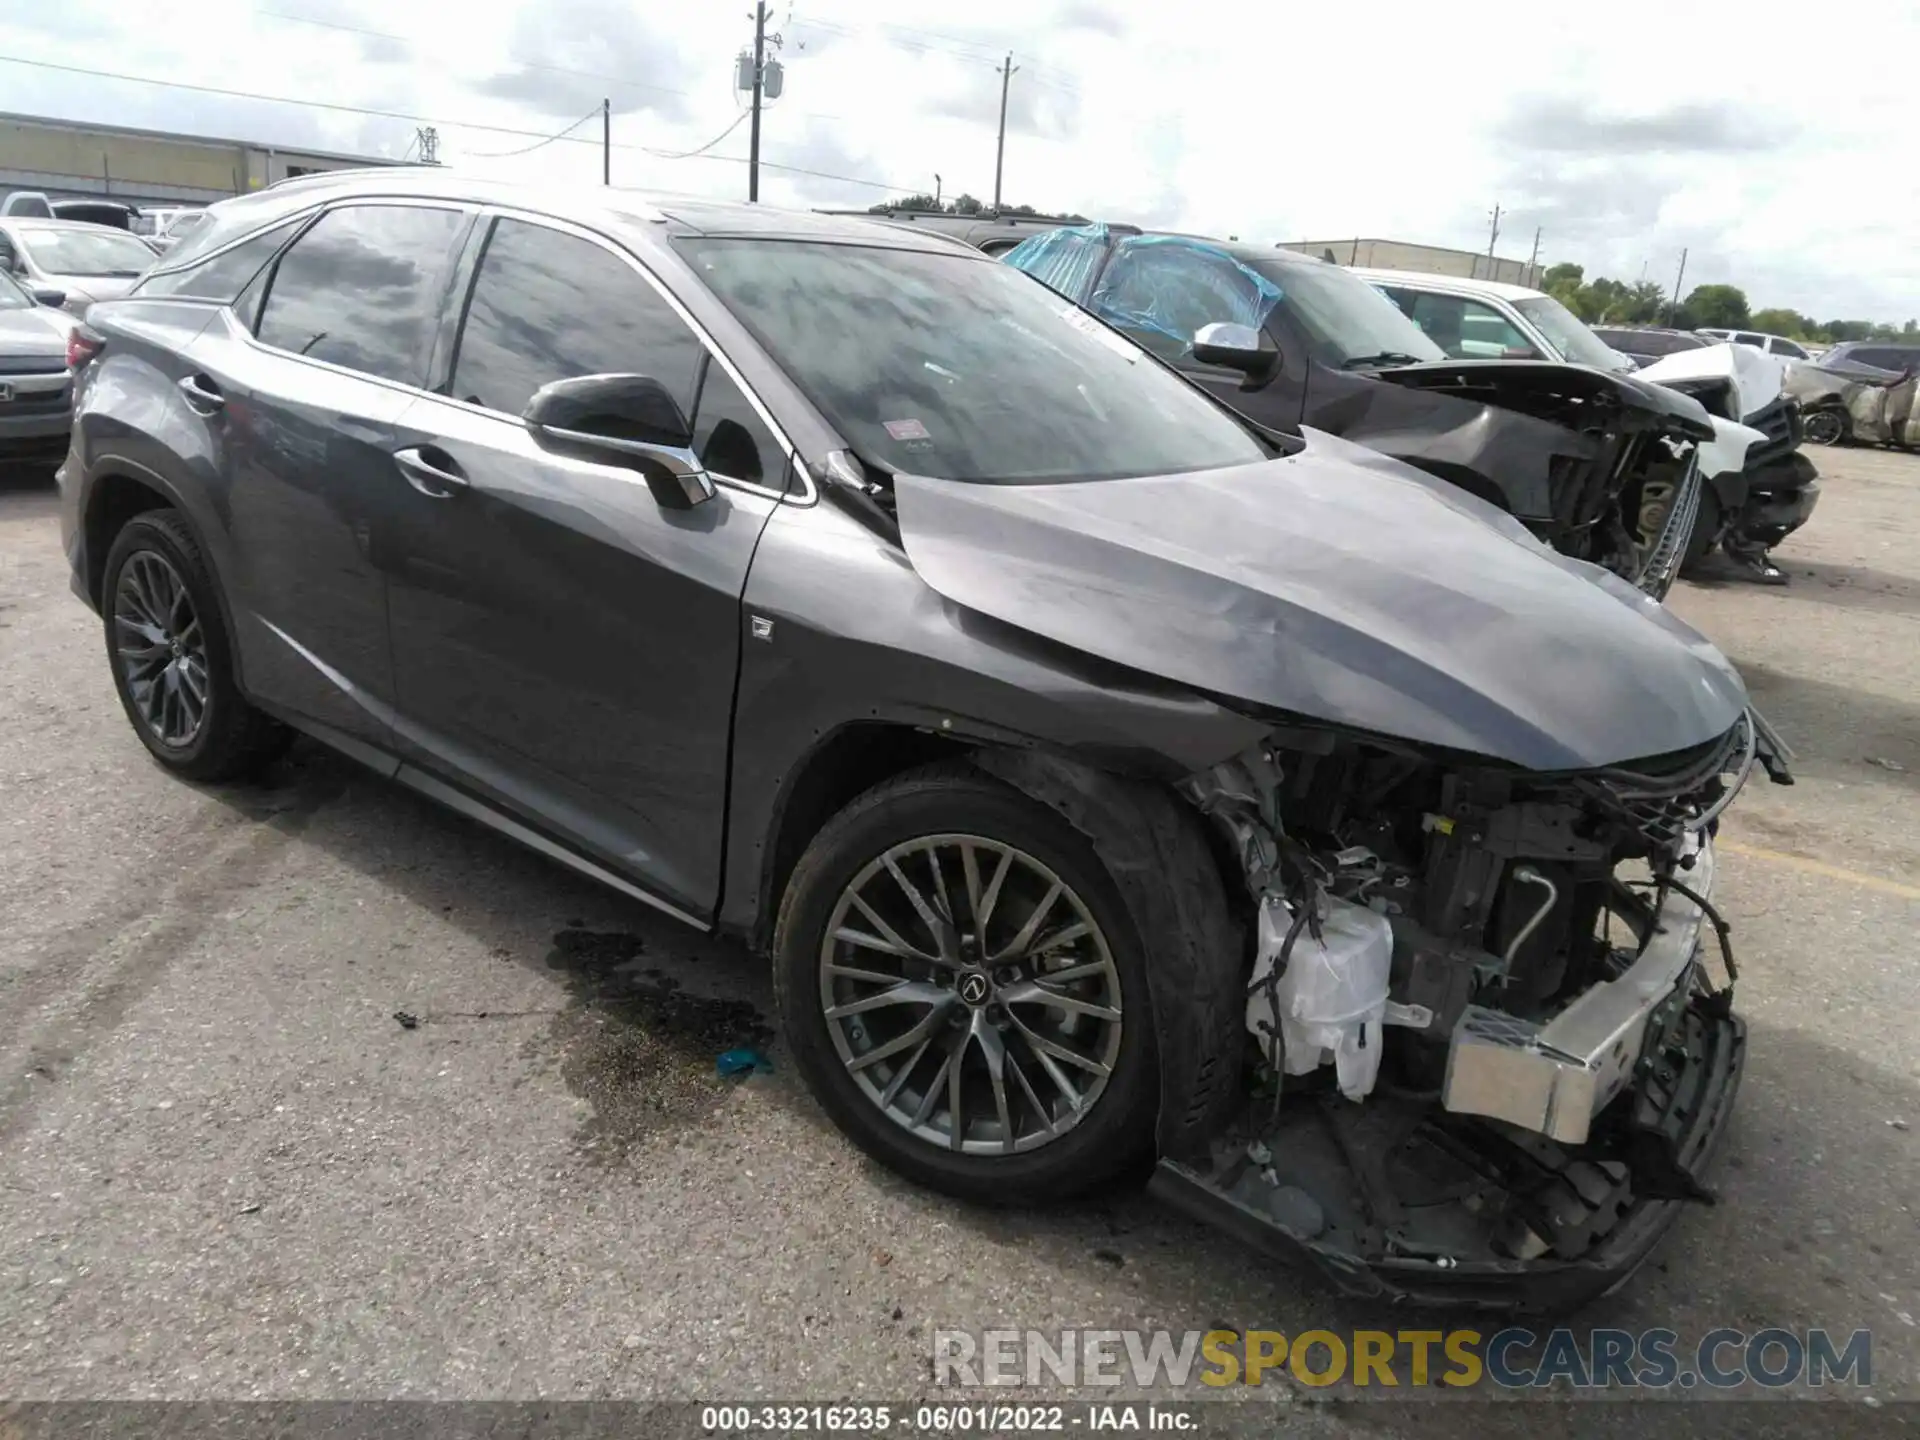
x: 936, y: 191
x: 1495, y: 236
x: 606, y: 142
x: 1000, y: 149
x: 1533, y: 263
x: 1674, y: 304
x: 428, y: 139
x: 759, y: 78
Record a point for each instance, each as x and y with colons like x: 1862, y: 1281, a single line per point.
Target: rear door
x: 302, y: 416
x: 564, y: 646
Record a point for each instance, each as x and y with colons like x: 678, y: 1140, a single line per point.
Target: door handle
x: 203, y: 396
x: 436, y: 482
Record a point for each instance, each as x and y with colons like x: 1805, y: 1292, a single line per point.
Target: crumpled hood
x: 1336, y: 585
x: 1544, y: 387
x: 1756, y: 377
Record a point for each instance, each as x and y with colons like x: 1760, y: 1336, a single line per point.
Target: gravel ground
x: 227, y: 1171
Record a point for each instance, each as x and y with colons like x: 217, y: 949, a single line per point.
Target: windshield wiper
x: 1385, y: 357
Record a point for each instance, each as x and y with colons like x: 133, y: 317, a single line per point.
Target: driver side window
x: 1161, y: 295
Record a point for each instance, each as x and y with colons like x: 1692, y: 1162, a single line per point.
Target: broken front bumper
x: 1781, y: 495
x: 1556, y: 1078
x: 1629, y: 1088
x: 1694, y: 1098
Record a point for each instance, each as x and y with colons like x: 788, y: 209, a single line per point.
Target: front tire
x: 964, y: 991
x: 171, y: 656
x: 1828, y: 426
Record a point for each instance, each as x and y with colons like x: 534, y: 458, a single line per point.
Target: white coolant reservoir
x: 1329, y: 1003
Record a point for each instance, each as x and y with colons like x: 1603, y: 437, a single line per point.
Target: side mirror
x: 54, y: 298
x: 629, y: 420
x: 1232, y: 347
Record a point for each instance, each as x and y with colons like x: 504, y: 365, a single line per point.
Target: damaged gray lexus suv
x: 1113, y: 783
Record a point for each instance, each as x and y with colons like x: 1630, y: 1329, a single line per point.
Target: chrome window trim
x: 580, y: 232
x: 485, y: 214
x: 161, y: 268
x: 227, y: 311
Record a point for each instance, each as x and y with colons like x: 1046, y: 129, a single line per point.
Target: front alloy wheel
x: 971, y: 994
x: 964, y: 990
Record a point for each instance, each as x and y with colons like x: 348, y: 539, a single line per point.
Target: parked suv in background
x: 1887, y: 360
x: 1572, y: 452
x: 1757, y: 340
x: 841, y: 588
x: 1644, y: 344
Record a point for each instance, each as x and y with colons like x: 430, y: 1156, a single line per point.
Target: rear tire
x: 172, y: 659
x: 1827, y: 426
x: 906, y: 1122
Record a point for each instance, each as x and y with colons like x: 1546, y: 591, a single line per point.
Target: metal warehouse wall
x: 1425, y: 259
x: 65, y: 159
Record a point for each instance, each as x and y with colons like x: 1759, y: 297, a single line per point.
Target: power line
x: 428, y: 119
x: 529, y: 149
x: 701, y: 153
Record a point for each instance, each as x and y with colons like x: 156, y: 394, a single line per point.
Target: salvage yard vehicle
x: 1755, y: 491
x: 85, y: 262
x: 1102, y: 771
x: 1750, y: 504
x: 1600, y: 466
x: 1487, y: 319
x: 35, y: 389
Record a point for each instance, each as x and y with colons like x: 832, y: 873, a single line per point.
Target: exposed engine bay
x: 1489, y: 1020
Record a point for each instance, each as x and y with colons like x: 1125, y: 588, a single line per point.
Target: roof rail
x: 347, y: 172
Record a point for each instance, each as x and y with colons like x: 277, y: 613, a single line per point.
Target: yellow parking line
x: 1821, y: 868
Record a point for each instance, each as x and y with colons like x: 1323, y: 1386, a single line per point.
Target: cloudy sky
x: 1780, y: 154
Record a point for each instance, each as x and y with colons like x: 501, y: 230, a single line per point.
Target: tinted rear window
x: 363, y: 289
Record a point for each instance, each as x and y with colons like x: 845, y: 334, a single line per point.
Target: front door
x: 563, y: 645
x: 302, y: 425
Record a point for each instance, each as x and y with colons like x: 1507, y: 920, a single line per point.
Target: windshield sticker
x: 1093, y: 329
x: 906, y: 430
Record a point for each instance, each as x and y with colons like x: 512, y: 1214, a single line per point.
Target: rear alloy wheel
x: 1824, y: 427
x: 168, y: 647
x: 962, y: 987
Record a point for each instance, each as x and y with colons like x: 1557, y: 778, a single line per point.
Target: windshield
x: 955, y: 367
x: 1567, y: 332
x: 1349, y: 320
x: 87, y: 252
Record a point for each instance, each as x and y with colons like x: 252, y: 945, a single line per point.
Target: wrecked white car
x: 1759, y: 488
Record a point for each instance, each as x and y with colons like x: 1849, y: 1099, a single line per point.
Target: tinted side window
x: 225, y: 275
x: 1161, y: 295
x: 363, y: 289
x: 1789, y: 349
x: 548, y: 306
x: 1885, y: 359
x: 729, y: 436
x: 1757, y: 342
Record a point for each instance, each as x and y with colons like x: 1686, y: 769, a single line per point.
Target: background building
x: 145, y: 167
x: 1426, y: 259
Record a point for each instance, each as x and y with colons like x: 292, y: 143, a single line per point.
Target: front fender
x: 853, y: 636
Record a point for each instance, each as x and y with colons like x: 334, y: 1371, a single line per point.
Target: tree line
x: 961, y: 205
x: 1604, y: 301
